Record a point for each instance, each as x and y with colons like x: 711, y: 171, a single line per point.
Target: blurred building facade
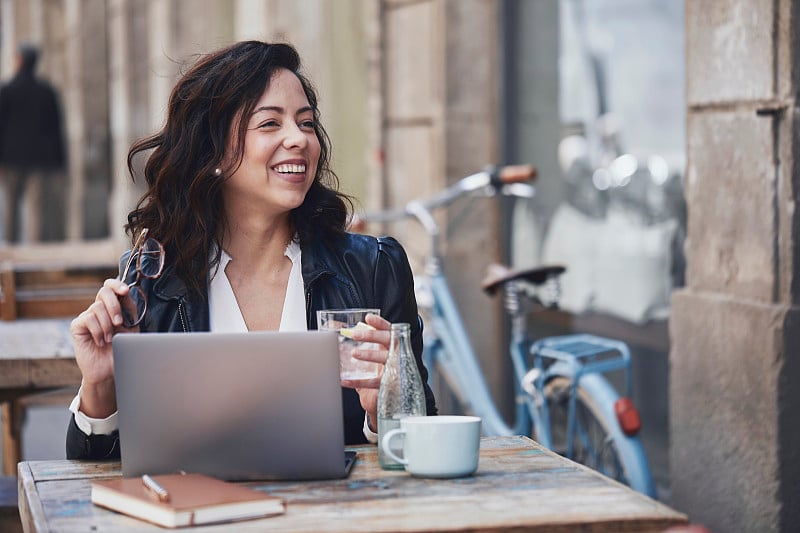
x: 416, y: 93
x: 117, y: 60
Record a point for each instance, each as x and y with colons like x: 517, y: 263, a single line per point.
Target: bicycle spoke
x: 593, y: 445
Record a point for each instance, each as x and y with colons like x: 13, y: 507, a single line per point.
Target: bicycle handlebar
x: 515, y: 174
x: 493, y: 178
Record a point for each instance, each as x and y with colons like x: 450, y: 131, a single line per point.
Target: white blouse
x: 224, y: 312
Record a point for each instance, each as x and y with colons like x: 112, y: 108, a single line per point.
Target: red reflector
x: 628, y: 416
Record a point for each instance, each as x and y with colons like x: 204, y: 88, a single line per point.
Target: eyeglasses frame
x: 136, y: 251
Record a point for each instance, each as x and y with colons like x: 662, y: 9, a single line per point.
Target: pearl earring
x: 218, y: 172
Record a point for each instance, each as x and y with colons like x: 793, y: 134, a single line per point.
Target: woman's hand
x: 367, y: 389
x: 92, y: 332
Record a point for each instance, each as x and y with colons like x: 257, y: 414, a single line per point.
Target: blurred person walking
x: 31, y: 149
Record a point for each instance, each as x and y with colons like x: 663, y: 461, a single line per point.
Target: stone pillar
x: 250, y: 17
x: 413, y: 97
x: 373, y: 44
x: 73, y: 115
x: 36, y: 21
x: 7, y: 39
x: 471, y: 141
x: 346, y: 111
x: 123, y: 193
x: 94, y: 149
x: 161, y: 60
x: 734, y: 399
x: 441, y: 119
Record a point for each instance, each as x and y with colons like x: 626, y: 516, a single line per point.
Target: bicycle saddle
x: 497, y: 274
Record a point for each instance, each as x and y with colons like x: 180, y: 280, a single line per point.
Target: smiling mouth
x: 290, y: 169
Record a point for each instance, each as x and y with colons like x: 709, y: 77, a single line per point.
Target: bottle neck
x: 401, y: 327
x: 399, y: 342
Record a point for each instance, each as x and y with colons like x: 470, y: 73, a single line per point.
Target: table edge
x: 34, y: 519
x: 31, y: 514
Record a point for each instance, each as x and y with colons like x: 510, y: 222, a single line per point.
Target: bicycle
x: 560, y: 391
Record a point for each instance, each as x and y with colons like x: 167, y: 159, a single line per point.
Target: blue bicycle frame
x: 471, y: 388
x: 584, y: 368
x: 448, y: 351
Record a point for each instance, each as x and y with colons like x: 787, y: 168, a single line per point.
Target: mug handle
x: 388, y: 450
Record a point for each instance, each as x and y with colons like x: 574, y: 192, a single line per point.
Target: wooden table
x: 36, y: 355
x: 519, y: 486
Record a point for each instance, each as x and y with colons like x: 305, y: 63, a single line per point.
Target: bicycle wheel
x: 598, y: 442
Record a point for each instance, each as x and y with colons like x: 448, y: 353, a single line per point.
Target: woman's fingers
x: 380, y: 335
x: 104, y: 317
x: 110, y: 294
x: 378, y: 322
x: 367, y: 351
x: 87, y: 324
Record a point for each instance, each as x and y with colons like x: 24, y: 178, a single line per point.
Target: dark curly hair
x: 183, y: 206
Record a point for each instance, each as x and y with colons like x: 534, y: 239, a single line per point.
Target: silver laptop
x: 259, y: 405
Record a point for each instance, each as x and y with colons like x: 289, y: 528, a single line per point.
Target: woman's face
x: 281, y: 151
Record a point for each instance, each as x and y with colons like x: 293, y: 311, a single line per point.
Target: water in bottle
x: 401, y: 393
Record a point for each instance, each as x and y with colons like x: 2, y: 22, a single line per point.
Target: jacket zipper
x: 180, y: 314
x: 308, y: 306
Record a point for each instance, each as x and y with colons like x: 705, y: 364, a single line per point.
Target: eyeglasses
x: 148, y: 256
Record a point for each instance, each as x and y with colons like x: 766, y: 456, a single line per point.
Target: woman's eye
x: 309, y: 124
x: 269, y: 124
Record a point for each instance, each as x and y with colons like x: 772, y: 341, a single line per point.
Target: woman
x: 241, y: 195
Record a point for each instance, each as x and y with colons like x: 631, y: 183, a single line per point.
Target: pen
x: 158, y: 490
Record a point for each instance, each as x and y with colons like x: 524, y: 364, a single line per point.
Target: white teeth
x: 290, y: 169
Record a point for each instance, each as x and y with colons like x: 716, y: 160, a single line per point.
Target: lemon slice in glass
x: 348, y: 332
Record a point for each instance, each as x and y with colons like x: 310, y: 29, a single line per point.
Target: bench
x: 49, y: 290
x: 44, y: 282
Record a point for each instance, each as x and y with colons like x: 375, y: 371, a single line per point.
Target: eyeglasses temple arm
x: 136, y: 246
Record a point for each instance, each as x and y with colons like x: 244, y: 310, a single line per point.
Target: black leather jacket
x: 353, y: 271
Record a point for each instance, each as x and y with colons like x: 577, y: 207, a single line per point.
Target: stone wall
x: 733, y: 396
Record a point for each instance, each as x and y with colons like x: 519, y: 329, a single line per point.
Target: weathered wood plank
x: 8, y: 294
x: 45, y: 305
x: 14, y: 373
x: 36, y: 355
x: 36, y: 338
x: 52, y: 281
x: 12, y: 428
x: 519, y: 486
x: 31, y: 512
x: 54, y: 372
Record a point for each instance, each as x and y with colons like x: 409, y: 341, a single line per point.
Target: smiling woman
x: 241, y: 195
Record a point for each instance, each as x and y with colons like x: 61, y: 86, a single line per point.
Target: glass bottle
x: 401, y: 393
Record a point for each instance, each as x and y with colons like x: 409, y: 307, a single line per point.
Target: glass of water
x: 344, y: 322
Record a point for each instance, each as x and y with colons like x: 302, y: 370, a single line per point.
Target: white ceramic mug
x: 436, y: 446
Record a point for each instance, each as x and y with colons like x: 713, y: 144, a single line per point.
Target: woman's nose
x: 295, y: 137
